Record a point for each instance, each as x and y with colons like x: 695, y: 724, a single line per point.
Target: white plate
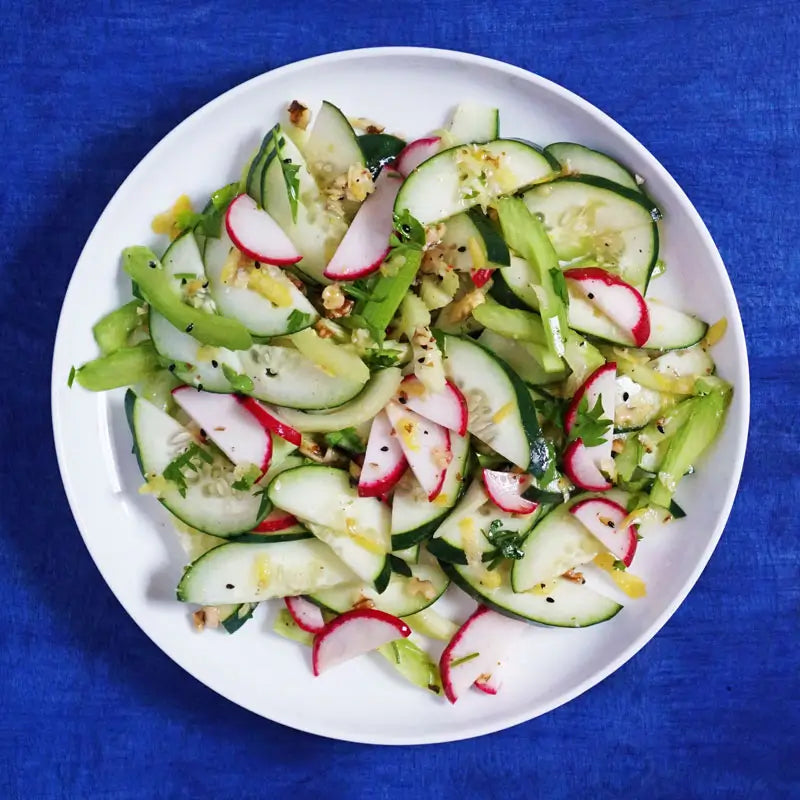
x: 410, y: 91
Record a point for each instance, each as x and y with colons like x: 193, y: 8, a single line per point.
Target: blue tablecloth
x: 89, y: 708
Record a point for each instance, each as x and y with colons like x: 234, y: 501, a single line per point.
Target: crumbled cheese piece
x: 333, y: 297
x: 359, y: 183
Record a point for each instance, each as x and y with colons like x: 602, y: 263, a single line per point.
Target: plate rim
x: 470, y: 730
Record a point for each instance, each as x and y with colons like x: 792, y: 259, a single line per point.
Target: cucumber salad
x: 373, y: 368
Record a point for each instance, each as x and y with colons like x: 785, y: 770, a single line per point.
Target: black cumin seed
x: 462, y: 249
x: 421, y: 360
x: 205, y: 285
x: 183, y: 281
x: 287, y: 160
x: 214, y: 363
x: 229, y: 586
x: 385, y: 449
x: 590, y: 296
x: 425, y: 432
x: 402, y: 399
x: 257, y: 265
x: 151, y: 264
x: 610, y: 523
x: 203, y: 433
x: 190, y: 327
x: 625, y: 397
x: 549, y: 599
x: 171, y: 368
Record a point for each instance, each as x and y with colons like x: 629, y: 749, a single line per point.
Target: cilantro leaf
x: 297, y: 321
x: 590, y: 424
x: 247, y: 479
x: 507, y: 544
x: 408, y: 233
x: 241, y: 383
x: 346, y: 439
x: 174, y: 471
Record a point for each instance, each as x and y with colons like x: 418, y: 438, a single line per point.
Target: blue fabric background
x: 89, y: 708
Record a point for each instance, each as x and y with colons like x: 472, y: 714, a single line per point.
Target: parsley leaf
x: 441, y: 342
x: 507, y: 544
x: 290, y: 177
x: 399, y: 566
x: 550, y: 409
x: 590, y: 424
x: 247, y: 479
x: 173, y: 472
x: 241, y: 383
x: 408, y: 233
x: 560, y: 285
x: 346, y: 439
x: 297, y: 321
x: 377, y: 358
x: 358, y: 289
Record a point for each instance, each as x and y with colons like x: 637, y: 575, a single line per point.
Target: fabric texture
x: 90, y: 708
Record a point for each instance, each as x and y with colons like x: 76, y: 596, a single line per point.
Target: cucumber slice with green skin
x: 414, y: 517
x: 519, y: 356
x: 248, y: 573
x: 692, y: 361
x: 654, y: 438
x: 260, y: 316
x: 356, y: 528
x: 194, y: 362
x: 575, y: 159
x: 402, y: 597
x: 232, y: 617
x: 436, y: 189
x: 591, y: 218
x: 252, y: 182
x: 379, y: 149
x: 460, y: 539
x: 285, y: 377
x: 473, y: 122
x: 183, y: 260
x: 473, y: 224
x: 636, y: 405
x: 294, y: 533
x: 572, y: 606
x: 332, y: 145
x: 373, y: 398
x: 158, y: 440
x: 410, y: 555
x: 313, y: 230
x: 503, y: 418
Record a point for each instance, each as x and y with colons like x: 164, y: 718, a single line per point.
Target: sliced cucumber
x: 575, y: 159
x: 194, y: 362
x: 291, y: 534
x: 513, y: 285
x: 232, y: 617
x: 410, y: 555
x: 473, y: 122
x: 519, y: 356
x: 460, y: 538
x: 373, y: 398
x: 258, y: 314
x: 183, y: 261
x: 248, y: 573
x: 450, y: 182
x: 332, y: 145
x: 501, y: 412
x: 693, y: 361
x: 264, y: 154
x: 313, y: 230
x: 566, y: 604
x: 461, y: 229
x: 402, y: 597
x: 379, y: 149
x: 654, y: 438
x: 414, y: 517
x: 285, y: 377
x: 636, y: 405
x: 158, y: 440
x: 356, y: 528
x: 670, y: 329
x: 589, y: 218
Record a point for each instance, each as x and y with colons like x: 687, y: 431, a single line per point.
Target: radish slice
x: 257, y: 235
x: 275, y: 521
x: 269, y: 421
x: 426, y: 447
x: 490, y: 684
x: 384, y: 462
x: 602, y: 518
x: 447, y: 408
x: 582, y: 470
x: 480, y: 277
x: 414, y: 153
x: 307, y: 616
x: 354, y: 633
x: 619, y: 301
x: 505, y: 490
x: 602, y: 383
x: 476, y: 650
x: 366, y: 242
x: 228, y: 425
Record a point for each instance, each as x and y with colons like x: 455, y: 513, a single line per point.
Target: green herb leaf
x: 408, y: 233
x: 619, y: 565
x: 71, y: 378
x: 289, y: 170
x: 241, y: 383
x: 441, y: 341
x: 265, y: 505
x: 507, y: 544
x: 560, y: 285
x: 463, y: 660
x: 190, y: 459
x: 185, y: 276
x: 551, y: 410
x: 376, y: 358
x: 590, y: 424
x: 346, y: 439
x: 297, y: 321
x: 359, y: 289
x: 399, y: 566
x: 246, y: 481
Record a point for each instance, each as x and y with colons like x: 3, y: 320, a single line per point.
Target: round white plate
x: 128, y: 535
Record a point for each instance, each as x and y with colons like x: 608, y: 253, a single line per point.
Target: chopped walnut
x: 462, y: 308
x: 359, y: 183
x: 366, y: 125
x: 363, y: 603
x: 206, y: 617
x: 435, y: 260
x: 310, y: 449
x: 575, y: 577
x: 618, y: 445
x: 354, y: 470
x: 333, y: 297
x: 323, y: 331
x: 425, y: 588
x: 434, y: 234
x: 343, y: 310
x: 441, y: 457
x: 299, y: 115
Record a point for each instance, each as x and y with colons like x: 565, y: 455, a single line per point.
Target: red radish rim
x: 457, y: 394
x: 444, y: 661
x: 278, y: 524
x: 260, y: 257
x: 631, y: 531
x: 480, y: 277
x: 572, y: 410
x: 641, y: 331
x: 571, y: 453
x: 410, y: 148
x: 270, y: 422
x: 485, y: 687
x: 437, y: 490
x: 524, y: 506
x: 383, y: 486
x: 289, y: 602
x: 357, y: 613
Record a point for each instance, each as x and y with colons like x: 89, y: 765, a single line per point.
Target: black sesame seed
x: 214, y: 363
x: 203, y: 433
x: 190, y: 327
x: 610, y: 523
x: 549, y: 599
x: 462, y: 249
x: 287, y: 160
x: 205, y: 285
x: 402, y: 399
x: 152, y: 264
x: 199, y: 387
x: 406, y: 229
x: 660, y: 428
x: 229, y: 586
x: 271, y: 373
x: 171, y: 368
x: 257, y: 265
x: 625, y: 397
x: 385, y: 449
x: 590, y: 296
x: 183, y: 281
x: 425, y: 432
